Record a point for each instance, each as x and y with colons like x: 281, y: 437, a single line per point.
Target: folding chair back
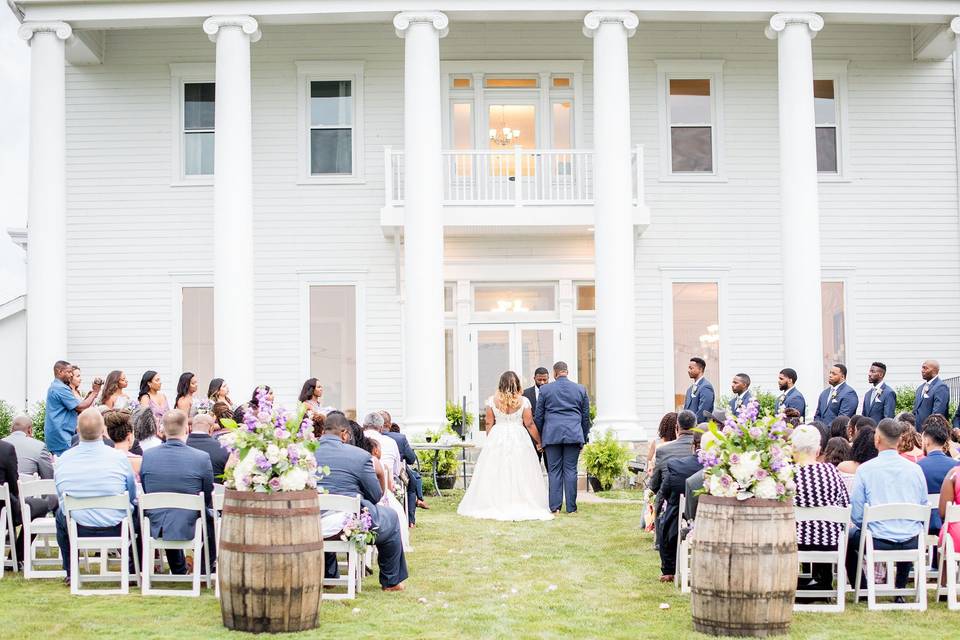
x: 39, y: 532
x: 682, y: 579
x: 949, y: 564
x: 121, y: 543
x: 834, y: 515
x: 7, y: 532
x: 919, y: 513
x: 199, y: 544
x: 354, y: 565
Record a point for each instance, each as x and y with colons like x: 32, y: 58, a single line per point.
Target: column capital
x: 247, y: 24
x: 28, y: 29
x: 955, y: 25
x: 780, y: 21
x: 403, y: 20
x: 593, y: 20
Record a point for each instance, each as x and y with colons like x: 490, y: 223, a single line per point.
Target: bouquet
x: 358, y: 530
x: 202, y: 406
x: 271, y: 450
x: 751, y: 457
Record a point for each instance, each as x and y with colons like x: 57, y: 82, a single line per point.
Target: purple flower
x: 761, y: 474
x: 293, y: 454
x: 755, y: 432
x: 279, y: 433
x: 777, y: 463
x: 725, y: 480
x: 274, y: 484
x: 781, y: 489
x: 734, y: 458
x: 262, y: 462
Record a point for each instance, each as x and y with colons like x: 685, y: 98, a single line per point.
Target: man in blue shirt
x: 62, y: 408
x: 887, y: 479
x: 90, y: 470
x: 935, y: 465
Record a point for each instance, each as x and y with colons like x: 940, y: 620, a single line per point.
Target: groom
x: 563, y: 418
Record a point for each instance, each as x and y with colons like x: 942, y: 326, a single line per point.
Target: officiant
x: 540, y: 377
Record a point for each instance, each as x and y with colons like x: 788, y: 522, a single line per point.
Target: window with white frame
x: 690, y: 117
x: 833, y: 309
x: 829, y: 107
x: 696, y: 330
x: 196, y: 332
x: 331, y: 109
x: 333, y: 343
x: 194, y: 108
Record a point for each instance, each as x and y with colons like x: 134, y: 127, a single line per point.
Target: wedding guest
x: 373, y: 428
x: 700, y: 395
x: 372, y: 447
x: 9, y: 475
x: 836, y: 451
x: 310, y: 394
x: 151, y: 396
x: 933, y: 396
x: 936, y: 464
x: 317, y: 422
x: 907, y: 417
x: 221, y: 411
x: 32, y: 454
x: 681, y: 446
x: 886, y: 479
x: 200, y: 438
x: 792, y: 417
x: 145, y: 430
x: 113, y: 395
x: 818, y: 485
x: 186, y: 387
x: 666, y: 432
x: 675, y: 476
x: 841, y: 426
x: 858, y: 423
x: 910, y: 445
x: 740, y: 387
x: 75, y: 381
x: 949, y: 490
x: 62, y: 408
x: 790, y: 398
x: 838, y: 399
x: 120, y: 430
x: 880, y: 401
x: 695, y: 482
x: 862, y: 450
x: 219, y: 391
x: 409, y: 457
x: 254, y: 403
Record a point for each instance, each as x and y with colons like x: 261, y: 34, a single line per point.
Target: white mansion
x: 406, y: 200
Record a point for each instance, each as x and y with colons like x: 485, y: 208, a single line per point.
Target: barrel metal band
x: 265, y: 511
x: 271, y: 548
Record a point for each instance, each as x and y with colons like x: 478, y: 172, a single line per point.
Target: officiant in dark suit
x: 540, y: 377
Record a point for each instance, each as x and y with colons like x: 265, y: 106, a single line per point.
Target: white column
x: 799, y: 208
x: 46, y: 205
x: 613, y: 222
x: 423, y: 366
x: 233, y: 300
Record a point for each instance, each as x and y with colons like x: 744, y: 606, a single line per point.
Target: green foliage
x: 767, y: 400
x: 905, y: 397
x: 38, y: 413
x: 593, y: 412
x: 6, y: 418
x: 457, y: 419
x: 606, y: 459
x: 446, y: 460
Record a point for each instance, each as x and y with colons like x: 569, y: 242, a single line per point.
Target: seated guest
x: 32, y: 458
x: 862, y: 450
x: 886, y: 479
x: 174, y: 467
x: 409, y: 458
x: 666, y: 432
x: 9, y: 475
x: 936, y: 464
x: 792, y: 417
x: 317, y: 422
x: 352, y: 473
x: 837, y: 451
x: 906, y: 416
x: 145, y: 430
x: 200, y: 429
x: 818, y: 485
x: 91, y: 470
x: 949, y: 491
x: 374, y: 427
x: 840, y: 424
x: 678, y: 448
x: 910, y: 446
x: 254, y: 402
x: 221, y: 411
x: 695, y: 482
x: 121, y: 433
x: 674, y: 484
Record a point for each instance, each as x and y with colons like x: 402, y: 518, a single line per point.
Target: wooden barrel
x: 270, y: 561
x: 743, y: 567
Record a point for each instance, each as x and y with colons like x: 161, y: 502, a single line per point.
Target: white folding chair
x: 351, y: 577
x: 198, y: 545
x: 682, y: 579
x: 7, y: 532
x: 949, y: 558
x: 39, y: 533
x: 121, y: 543
x: 933, y: 576
x: 868, y: 555
x: 837, y: 515
x: 217, y: 517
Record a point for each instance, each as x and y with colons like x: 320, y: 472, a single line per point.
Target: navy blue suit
x: 792, y: 399
x: 700, y: 403
x: 935, y: 466
x: 747, y: 397
x: 563, y: 418
x: 937, y: 401
x: 674, y: 485
x: 879, y: 406
x: 415, y: 486
x: 211, y: 446
x: 176, y: 468
x: 351, y: 474
x: 843, y: 404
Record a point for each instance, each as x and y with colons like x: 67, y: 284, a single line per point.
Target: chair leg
x: 351, y: 574
x: 921, y: 577
x: 147, y: 572
x: 871, y: 579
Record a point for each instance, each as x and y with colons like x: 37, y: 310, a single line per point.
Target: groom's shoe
x: 555, y: 512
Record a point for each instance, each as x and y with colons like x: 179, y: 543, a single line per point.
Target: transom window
x: 512, y: 298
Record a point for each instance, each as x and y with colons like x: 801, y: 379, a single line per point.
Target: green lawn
x: 479, y: 579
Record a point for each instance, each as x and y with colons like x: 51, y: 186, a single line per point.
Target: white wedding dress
x: 507, y: 481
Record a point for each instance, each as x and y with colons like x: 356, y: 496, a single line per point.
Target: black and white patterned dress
x: 819, y: 485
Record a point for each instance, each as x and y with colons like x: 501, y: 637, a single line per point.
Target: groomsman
x: 790, y: 396
x: 700, y: 395
x: 839, y: 399
x: 540, y: 377
x: 933, y: 396
x: 880, y: 401
x: 741, y: 392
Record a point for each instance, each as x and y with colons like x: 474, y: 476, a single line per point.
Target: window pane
x: 333, y: 344
x: 586, y: 297
x: 514, y: 299
x: 448, y: 342
x: 691, y: 149
x: 197, y: 332
x: 331, y: 103
x: 834, y: 325
x: 824, y: 102
x: 198, y: 154
x: 463, y: 125
x: 563, y: 125
x: 536, y: 350
x: 511, y: 83
x: 690, y: 102
x: 462, y: 83
x: 448, y: 298
x: 331, y: 151
x: 827, y: 149
x: 587, y: 361
x: 493, y: 358
x: 561, y: 82
x: 696, y: 331
x: 198, y: 105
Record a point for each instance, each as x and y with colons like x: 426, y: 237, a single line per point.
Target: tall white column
x: 799, y: 208
x: 46, y: 205
x: 233, y: 300
x: 423, y: 367
x: 613, y: 222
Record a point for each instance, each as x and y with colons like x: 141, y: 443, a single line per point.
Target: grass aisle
x: 585, y: 576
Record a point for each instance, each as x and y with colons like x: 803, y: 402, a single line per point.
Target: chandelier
x: 505, y: 137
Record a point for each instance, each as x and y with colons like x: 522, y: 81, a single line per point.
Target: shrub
x: 37, y: 414
x: 6, y: 418
x: 446, y: 460
x: 905, y: 398
x: 457, y: 420
x: 606, y: 459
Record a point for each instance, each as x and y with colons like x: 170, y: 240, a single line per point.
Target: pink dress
x: 954, y: 528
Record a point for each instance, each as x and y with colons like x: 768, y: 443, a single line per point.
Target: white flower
x: 273, y: 453
x: 283, y: 453
x: 766, y: 488
x: 294, y: 480
x: 745, y: 466
x: 722, y: 486
x: 259, y: 478
x: 785, y: 473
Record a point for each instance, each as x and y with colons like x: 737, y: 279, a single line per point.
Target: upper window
x: 331, y: 112
x: 690, y: 117
x: 829, y: 108
x: 198, y: 118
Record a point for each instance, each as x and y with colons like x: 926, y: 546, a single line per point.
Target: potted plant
x: 606, y: 460
x: 458, y: 420
x: 446, y: 460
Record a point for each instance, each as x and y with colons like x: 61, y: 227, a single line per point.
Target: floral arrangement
x: 271, y: 450
x: 358, y: 530
x: 203, y: 406
x: 750, y: 458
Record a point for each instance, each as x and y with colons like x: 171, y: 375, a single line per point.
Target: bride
x: 507, y: 482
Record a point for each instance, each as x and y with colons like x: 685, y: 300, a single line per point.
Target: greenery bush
x: 606, y: 459
x: 38, y: 413
x: 6, y: 418
x: 446, y: 460
x: 457, y: 420
x: 905, y: 398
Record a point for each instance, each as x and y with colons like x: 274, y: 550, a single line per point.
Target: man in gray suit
x: 32, y: 457
x: 563, y: 419
x: 682, y: 446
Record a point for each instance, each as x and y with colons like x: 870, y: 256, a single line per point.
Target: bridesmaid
x: 186, y: 387
x: 310, y: 394
x: 75, y: 383
x: 113, y: 395
x: 151, y: 396
x: 218, y: 391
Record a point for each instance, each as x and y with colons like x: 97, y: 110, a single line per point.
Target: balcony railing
x: 517, y: 177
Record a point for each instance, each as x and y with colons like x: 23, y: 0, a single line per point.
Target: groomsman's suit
x: 741, y: 401
x: 932, y: 397
x: 533, y: 395
x: 839, y: 401
x: 699, y: 399
x: 563, y: 413
x: 792, y: 399
x: 879, y: 403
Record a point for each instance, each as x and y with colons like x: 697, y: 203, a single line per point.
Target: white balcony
x: 513, y: 189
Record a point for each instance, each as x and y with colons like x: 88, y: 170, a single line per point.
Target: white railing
x: 517, y: 177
